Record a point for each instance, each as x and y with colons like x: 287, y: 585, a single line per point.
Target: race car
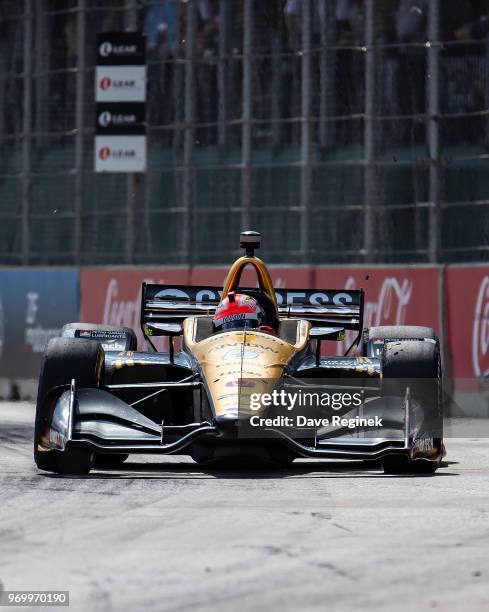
x: 244, y: 377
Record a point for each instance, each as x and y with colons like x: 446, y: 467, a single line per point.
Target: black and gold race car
x: 265, y: 394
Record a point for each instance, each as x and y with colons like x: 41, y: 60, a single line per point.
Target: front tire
x: 400, y: 464
x: 416, y: 364
x: 74, y: 461
x: 106, y: 461
x: 64, y: 359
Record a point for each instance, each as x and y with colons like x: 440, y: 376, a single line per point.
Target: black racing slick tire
x: 74, y: 462
x: 373, y: 337
x: 64, y: 359
x: 398, y: 464
x: 417, y: 365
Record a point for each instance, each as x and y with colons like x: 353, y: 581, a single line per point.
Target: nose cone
x: 236, y: 365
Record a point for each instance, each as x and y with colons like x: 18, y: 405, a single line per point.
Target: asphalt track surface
x: 164, y: 534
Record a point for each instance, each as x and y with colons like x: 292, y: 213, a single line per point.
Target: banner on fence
x: 34, y: 305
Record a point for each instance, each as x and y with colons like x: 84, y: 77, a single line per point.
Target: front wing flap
x: 96, y: 419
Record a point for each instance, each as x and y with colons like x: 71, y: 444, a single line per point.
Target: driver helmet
x: 238, y: 311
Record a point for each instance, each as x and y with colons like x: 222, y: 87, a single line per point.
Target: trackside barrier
x: 34, y: 304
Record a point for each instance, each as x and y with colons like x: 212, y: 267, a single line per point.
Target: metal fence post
x: 369, y: 132
x: 276, y: 94
x: 486, y: 98
x: 27, y: 132
x: 246, y: 140
x: 326, y: 74
x: 433, y: 93
x: 41, y: 69
x: 306, y: 158
x: 131, y: 20
x: 188, y: 142
x: 223, y: 75
x: 79, y: 120
x: 177, y: 83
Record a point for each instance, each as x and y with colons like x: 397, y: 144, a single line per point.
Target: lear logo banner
x: 120, y: 83
x: 480, y: 331
x: 120, y: 153
x: 121, y: 48
x: 120, y: 118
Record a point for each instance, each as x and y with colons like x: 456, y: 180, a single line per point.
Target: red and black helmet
x: 238, y: 311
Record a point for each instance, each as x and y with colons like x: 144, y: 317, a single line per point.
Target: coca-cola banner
x: 467, y: 310
x: 393, y: 296
x: 113, y: 295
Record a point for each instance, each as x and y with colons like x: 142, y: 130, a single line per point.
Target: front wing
x: 98, y: 420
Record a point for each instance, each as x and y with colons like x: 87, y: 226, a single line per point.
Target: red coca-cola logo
x: 392, y: 301
x: 388, y: 309
x: 104, y: 153
x: 105, y: 83
x: 480, y: 331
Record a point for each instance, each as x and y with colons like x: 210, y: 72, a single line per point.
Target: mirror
x: 163, y: 329
x: 327, y: 333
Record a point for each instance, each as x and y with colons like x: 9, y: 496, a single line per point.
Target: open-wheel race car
x: 227, y: 390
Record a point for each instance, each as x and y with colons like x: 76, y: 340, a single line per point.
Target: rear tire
x: 419, y: 364
x: 64, y: 359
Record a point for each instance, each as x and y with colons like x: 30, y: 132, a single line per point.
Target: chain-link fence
x: 345, y: 131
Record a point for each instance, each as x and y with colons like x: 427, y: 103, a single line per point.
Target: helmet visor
x: 239, y: 324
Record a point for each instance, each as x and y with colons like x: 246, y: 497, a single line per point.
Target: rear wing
x: 164, y: 307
